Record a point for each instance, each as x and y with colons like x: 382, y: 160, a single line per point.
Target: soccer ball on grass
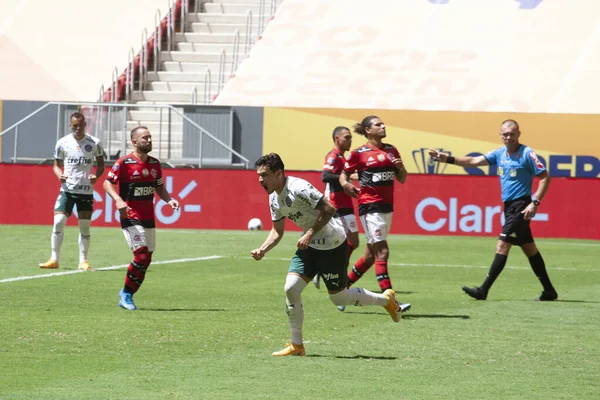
x: 254, y: 224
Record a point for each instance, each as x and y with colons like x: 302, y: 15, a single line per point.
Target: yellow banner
x: 568, y: 144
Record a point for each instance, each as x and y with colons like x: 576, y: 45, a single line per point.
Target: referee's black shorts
x: 516, y: 229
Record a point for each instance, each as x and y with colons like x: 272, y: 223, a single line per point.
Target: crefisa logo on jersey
x: 426, y: 165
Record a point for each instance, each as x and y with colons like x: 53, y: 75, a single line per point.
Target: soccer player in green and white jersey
x: 322, y: 249
x: 74, y: 157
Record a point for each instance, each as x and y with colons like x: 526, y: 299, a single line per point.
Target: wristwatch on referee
x: 536, y: 202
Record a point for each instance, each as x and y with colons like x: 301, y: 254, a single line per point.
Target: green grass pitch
x: 205, y: 329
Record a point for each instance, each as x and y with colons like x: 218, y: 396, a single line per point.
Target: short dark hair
x: 134, y: 130
x: 361, y: 127
x: 78, y: 116
x: 272, y: 161
x: 511, y: 122
x: 338, y: 129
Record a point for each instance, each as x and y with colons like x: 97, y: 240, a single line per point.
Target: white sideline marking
x: 459, y: 266
x: 53, y: 274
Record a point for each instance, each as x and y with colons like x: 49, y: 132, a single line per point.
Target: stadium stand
x: 468, y: 55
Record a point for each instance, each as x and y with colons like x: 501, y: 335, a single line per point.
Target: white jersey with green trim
x: 78, y: 159
x: 297, y: 201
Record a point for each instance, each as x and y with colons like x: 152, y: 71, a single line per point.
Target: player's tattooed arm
x: 326, y: 211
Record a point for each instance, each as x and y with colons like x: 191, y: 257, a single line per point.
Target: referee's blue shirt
x: 516, y: 171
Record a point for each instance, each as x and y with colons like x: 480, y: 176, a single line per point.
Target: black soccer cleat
x: 475, y: 293
x: 547, y: 296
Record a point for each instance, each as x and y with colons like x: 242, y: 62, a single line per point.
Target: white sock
x: 358, y: 297
x: 84, y: 239
x: 58, y: 234
x: 294, y: 285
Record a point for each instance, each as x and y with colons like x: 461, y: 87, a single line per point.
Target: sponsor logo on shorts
x: 331, y: 276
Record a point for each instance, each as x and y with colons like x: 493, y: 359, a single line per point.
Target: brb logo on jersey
x: 143, y: 191
x: 106, y: 210
x: 383, y: 176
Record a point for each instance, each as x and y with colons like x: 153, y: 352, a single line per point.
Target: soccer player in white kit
x: 74, y: 157
x: 322, y: 248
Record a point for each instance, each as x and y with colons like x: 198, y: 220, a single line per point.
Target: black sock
x: 497, y: 267
x: 539, y: 269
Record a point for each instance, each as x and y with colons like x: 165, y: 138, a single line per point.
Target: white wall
x: 66, y: 49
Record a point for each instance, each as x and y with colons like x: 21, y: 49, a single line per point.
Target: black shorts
x: 516, y: 229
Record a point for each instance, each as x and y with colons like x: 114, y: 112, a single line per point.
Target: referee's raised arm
x: 460, y: 161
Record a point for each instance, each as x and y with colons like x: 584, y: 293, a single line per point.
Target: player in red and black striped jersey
x: 378, y: 165
x: 334, y: 164
x: 138, y: 176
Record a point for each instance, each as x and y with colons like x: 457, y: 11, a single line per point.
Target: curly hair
x: 361, y: 127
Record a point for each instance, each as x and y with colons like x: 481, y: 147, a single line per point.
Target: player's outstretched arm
x: 460, y: 161
x: 274, y: 237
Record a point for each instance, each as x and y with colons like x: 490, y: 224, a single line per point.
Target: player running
x: 322, y: 248
x: 139, y: 176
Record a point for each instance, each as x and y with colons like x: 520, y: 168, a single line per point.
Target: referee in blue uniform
x: 517, y: 166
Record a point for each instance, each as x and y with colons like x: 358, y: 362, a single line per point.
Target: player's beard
x: 145, y: 149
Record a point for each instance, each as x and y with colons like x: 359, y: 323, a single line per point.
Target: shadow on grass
x: 409, y: 315
x: 184, y: 309
x: 575, y: 301
x: 555, y: 301
x: 356, y: 357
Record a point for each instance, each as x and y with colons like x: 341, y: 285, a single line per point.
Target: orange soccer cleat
x: 50, y: 264
x: 85, y: 266
x: 291, y: 349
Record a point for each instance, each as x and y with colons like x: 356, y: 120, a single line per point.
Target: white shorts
x: 137, y: 236
x: 349, y: 223
x: 377, y: 226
